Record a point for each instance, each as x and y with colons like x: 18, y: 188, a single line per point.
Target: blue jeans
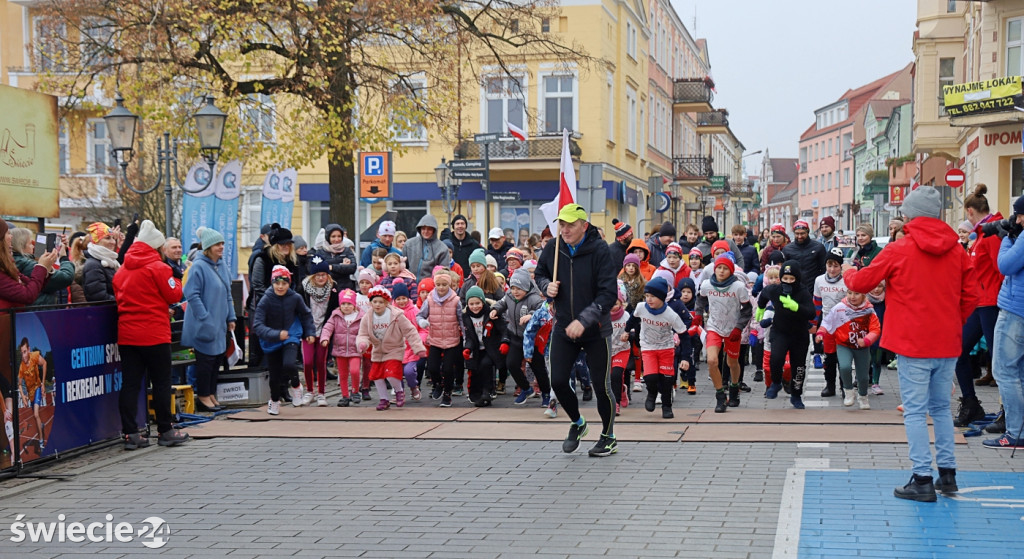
x: 1008, y: 369
x: 925, y: 385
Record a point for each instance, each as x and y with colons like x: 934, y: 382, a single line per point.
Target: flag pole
x: 558, y: 241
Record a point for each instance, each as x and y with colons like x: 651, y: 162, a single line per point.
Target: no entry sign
x: 955, y: 178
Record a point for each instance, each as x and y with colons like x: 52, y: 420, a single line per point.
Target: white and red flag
x: 566, y: 186
x: 516, y: 132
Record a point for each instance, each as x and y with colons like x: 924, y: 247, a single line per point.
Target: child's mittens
x: 362, y: 346
x: 694, y: 330
x: 467, y: 354
x: 789, y: 303
x: 424, y: 323
x: 503, y: 348
x: 760, y: 314
x: 753, y: 338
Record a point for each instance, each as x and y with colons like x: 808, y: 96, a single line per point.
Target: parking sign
x: 375, y: 174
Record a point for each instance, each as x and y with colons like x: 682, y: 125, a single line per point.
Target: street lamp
x: 449, y: 188
x: 121, y: 124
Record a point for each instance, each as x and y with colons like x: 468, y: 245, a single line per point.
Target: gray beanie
x: 521, y: 279
x: 923, y: 202
x: 300, y: 242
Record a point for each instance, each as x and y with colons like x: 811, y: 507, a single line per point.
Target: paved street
x: 309, y: 497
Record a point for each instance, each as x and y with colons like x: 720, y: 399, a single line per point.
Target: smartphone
x: 117, y: 223
x: 51, y: 241
x: 135, y: 217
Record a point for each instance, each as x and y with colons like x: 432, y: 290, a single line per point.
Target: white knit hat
x: 149, y: 235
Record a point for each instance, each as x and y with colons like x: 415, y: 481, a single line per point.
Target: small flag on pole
x: 566, y: 186
x: 516, y: 132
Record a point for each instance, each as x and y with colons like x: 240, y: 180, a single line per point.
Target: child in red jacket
x: 854, y: 327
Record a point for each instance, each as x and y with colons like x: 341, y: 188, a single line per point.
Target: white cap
x: 495, y: 233
x: 386, y: 228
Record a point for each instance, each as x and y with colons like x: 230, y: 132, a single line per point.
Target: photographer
x: 1008, y: 350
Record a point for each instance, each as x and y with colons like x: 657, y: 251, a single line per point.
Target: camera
x: 1002, y: 228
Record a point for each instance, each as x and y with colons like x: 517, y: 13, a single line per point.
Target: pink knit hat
x: 347, y: 296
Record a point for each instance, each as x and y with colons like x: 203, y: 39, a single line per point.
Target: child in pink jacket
x: 400, y: 294
x: 387, y: 330
x: 339, y: 333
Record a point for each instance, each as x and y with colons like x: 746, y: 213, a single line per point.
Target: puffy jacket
x: 617, y: 251
x: 646, y: 268
x: 810, y: 256
x: 398, y: 333
x: 437, y: 252
x: 443, y: 319
x: 410, y: 311
x: 262, y: 268
x: 97, y: 279
x: 862, y: 256
x: 341, y: 335
x: 279, y: 312
x: 55, y: 289
x: 930, y: 290
x: 1011, y: 265
x: 749, y: 256
x: 210, y: 307
x: 462, y: 249
x: 984, y: 258
x: 588, y: 288
x: 678, y: 274
x: 493, y: 333
x: 513, y: 310
x: 367, y: 255
x: 340, y: 272
x: 22, y: 292
x: 143, y: 288
x: 499, y: 255
x: 655, y: 250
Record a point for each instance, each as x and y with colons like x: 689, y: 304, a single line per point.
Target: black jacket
x: 341, y: 273
x: 97, y: 280
x: 462, y: 249
x: 617, y: 252
x: 492, y: 339
x: 275, y: 313
x: 261, y: 271
x: 786, y: 321
x: 499, y: 256
x: 588, y: 287
x: 749, y: 254
x: 810, y: 257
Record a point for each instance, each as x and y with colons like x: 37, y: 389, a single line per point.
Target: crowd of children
x: 395, y: 332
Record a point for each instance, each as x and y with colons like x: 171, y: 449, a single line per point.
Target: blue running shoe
x: 773, y: 391
x: 545, y: 400
x: 523, y: 396
x: 797, y: 402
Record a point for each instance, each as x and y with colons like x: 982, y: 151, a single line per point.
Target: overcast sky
x: 774, y: 62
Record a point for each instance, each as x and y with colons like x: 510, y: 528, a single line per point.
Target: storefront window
x: 1016, y: 178
x: 409, y: 214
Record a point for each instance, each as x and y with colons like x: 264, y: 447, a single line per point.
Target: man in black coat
x: 808, y: 254
x: 463, y: 244
x: 582, y: 293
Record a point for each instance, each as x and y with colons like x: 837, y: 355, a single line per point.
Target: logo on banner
x: 202, y: 176
x: 229, y: 180
x: 287, y: 184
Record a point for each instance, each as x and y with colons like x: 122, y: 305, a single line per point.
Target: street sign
x: 505, y: 196
x: 375, y: 174
x: 718, y: 182
x: 662, y: 202
x: 897, y: 194
x: 955, y: 178
x: 475, y: 174
x: 466, y: 164
x: 486, y: 138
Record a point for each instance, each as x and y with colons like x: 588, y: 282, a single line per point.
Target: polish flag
x: 516, y: 132
x: 566, y: 186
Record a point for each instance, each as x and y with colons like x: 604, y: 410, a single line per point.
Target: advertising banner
x: 1000, y: 94
x: 225, y: 211
x: 270, y: 210
x: 197, y: 207
x: 289, y: 178
x: 68, y: 380
x: 897, y: 194
x: 29, y: 158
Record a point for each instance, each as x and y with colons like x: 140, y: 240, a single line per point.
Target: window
x: 947, y: 69
x: 631, y: 39
x: 101, y: 162
x: 558, y: 96
x: 631, y: 118
x: 830, y: 180
x: 803, y: 186
x: 830, y: 147
x: 545, y: 25
x: 62, y: 139
x: 846, y: 177
x: 950, y: 6
x: 642, y: 144
x: 50, y: 53
x: 653, y: 120
x: 409, y: 214
x: 96, y: 42
x: 406, y: 116
x: 1014, y: 46
x: 504, y: 101
x: 251, y: 205
x: 258, y: 117
x: 319, y: 214
x: 513, y: 26
x: 611, y: 108
x: 1016, y: 178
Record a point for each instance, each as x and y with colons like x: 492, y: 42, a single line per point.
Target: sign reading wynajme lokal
x: 29, y: 161
x: 1000, y: 94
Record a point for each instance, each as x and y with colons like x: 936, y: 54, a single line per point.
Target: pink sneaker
x: 383, y: 405
x: 400, y: 398
x: 416, y: 393
x: 625, y: 399
x: 618, y: 411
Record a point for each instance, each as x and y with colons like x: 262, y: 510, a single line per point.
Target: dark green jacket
x: 55, y: 289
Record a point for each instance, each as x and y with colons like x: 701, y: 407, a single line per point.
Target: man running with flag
x: 576, y: 272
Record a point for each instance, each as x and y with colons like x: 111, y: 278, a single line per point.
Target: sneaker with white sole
x: 321, y: 401
x: 848, y: 399
x: 862, y: 401
x: 307, y: 398
x: 296, y: 396
x: 273, y: 408
x: 638, y: 386
x: 875, y: 390
x: 552, y: 410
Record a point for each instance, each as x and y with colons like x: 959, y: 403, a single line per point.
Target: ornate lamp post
x: 121, y: 124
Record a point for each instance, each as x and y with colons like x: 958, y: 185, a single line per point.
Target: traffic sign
x: 466, y: 164
x: 662, y: 202
x: 955, y: 178
x: 486, y: 138
x: 475, y: 174
x: 505, y: 196
x: 375, y: 174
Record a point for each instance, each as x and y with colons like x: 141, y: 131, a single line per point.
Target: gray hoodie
x: 422, y: 255
x: 514, y: 310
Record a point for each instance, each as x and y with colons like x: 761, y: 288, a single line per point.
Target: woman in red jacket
x: 982, y: 321
x: 143, y: 288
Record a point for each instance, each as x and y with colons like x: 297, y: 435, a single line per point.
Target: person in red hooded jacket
x: 931, y: 289
x: 143, y: 288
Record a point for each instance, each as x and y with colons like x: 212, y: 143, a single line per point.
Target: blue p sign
x: 373, y: 165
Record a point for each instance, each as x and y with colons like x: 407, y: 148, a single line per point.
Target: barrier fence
x: 61, y: 385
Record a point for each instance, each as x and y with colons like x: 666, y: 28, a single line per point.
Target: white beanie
x: 149, y: 235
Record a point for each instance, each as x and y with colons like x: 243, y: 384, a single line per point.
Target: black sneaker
x: 970, y: 411
x: 651, y: 401
x: 744, y: 387
x: 435, y: 394
x: 135, y: 441
x: 173, y: 437
x: 734, y: 396
x: 758, y: 376
x: 947, y: 481
x: 588, y: 393
x: 919, y: 488
x: 576, y: 432
x: 446, y: 400
x: 720, y: 399
x: 666, y: 412
x: 606, y: 446
x: 344, y: 402
x: 828, y: 392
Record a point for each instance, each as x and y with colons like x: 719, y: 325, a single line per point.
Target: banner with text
x: 196, y: 207
x: 225, y: 211
x: 1000, y: 94
x: 278, y: 197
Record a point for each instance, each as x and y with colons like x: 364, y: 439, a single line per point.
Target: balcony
x: 714, y: 122
x: 692, y: 95
x: 509, y: 149
x: 847, y: 154
x: 692, y: 170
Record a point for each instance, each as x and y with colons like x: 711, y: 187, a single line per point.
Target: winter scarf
x: 317, y: 298
x: 107, y: 257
